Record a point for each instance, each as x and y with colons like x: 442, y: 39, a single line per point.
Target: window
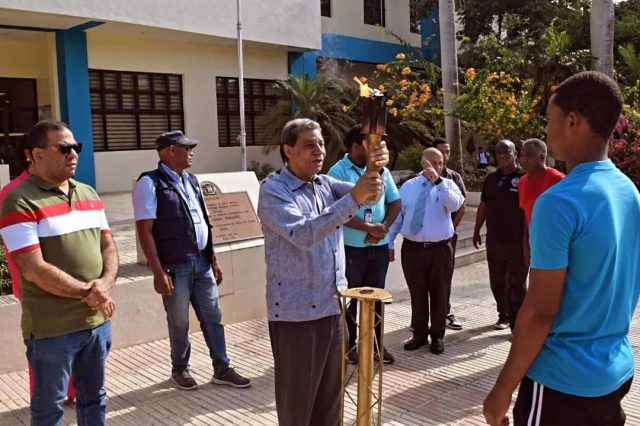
x: 325, y: 8
x: 415, y: 16
x: 258, y: 96
x: 374, y: 12
x: 130, y: 109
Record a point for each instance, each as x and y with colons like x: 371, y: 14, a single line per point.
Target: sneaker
x: 352, y: 356
x: 452, y: 323
x: 230, y: 377
x: 183, y: 380
x: 387, y: 358
x: 502, y: 324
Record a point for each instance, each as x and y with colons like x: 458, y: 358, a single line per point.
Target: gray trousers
x: 306, y: 357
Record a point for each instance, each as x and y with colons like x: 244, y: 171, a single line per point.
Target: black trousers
x: 539, y: 405
x: 454, y: 243
x: 366, y: 266
x: 307, y: 371
x: 427, y: 270
x: 507, y: 276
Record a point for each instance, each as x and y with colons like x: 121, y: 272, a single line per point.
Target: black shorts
x: 539, y: 405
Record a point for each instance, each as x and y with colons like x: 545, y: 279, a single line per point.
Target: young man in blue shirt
x: 570, y: 351
x: 366, y: 246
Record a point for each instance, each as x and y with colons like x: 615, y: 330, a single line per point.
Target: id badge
x: 368, y: 216
x: 195, y: 216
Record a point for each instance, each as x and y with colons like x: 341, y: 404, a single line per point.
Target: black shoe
x: 437, y: 346
x: 415, y: 343
x: 183, y: 380
x: 352, y: 356
x: 452, y: 323
x: 230, y: 377
x: 387, y: 358
x: 502, y: 324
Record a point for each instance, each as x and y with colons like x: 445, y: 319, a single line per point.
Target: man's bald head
x: 505, y: 145
x: 432, y: 157
x: 506, y: 156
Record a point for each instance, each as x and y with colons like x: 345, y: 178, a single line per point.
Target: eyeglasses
x: 65, y: 148
x: 187, y: 148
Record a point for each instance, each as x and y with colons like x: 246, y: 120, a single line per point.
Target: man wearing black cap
x: 175, y: 235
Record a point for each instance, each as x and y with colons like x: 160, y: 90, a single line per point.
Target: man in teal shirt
x: 366, y: 244
x: 571, y: 352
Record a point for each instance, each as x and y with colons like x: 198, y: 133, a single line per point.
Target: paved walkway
x: 420, y: 389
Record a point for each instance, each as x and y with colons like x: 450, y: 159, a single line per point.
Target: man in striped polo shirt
x: 56, y: 230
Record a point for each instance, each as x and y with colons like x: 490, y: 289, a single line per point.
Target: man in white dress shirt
x: 425, y: 223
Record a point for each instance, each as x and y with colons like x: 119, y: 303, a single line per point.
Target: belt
x: 427, y: 244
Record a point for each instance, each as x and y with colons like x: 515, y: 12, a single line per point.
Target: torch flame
x: 365, y: 90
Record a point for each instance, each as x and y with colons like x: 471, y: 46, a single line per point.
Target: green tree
x: 323, y: 100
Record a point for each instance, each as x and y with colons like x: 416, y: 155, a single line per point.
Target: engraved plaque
x: 232, y: 215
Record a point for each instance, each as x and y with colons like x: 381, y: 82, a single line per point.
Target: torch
x: 374, y: 118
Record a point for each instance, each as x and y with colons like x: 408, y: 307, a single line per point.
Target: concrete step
x: 467, y: 254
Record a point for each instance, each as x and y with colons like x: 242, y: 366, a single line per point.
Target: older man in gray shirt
x: 302, y: 214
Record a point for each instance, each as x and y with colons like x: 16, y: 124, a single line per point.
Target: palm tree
x: 631, y: 60
x: 602, y: 23
x: 323, y: 100
x: 449, y: 55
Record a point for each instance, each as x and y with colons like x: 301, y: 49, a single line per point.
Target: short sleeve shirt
x: 589, y: 223
x: 505, y: 219
x: 530, y: 189
x: 67, y: 229
x: 346, y: 171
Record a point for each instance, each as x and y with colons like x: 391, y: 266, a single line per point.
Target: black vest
x: 173, y: 229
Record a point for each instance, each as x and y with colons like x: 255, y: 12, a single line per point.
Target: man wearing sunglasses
x: 56, y: 231
x: 175, y: 235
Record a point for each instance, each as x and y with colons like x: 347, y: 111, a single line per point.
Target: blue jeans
x: 193, y: 282
x: 53, y: 359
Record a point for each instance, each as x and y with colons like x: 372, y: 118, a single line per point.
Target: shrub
x: 5, y: 278
x: 624, y: 145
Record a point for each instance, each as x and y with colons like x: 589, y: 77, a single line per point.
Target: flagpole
x: 243, y: 134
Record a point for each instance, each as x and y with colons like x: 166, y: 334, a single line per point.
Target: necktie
x: 418, y: 213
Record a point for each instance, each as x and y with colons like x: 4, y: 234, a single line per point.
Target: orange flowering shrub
x: 497, y: 105
x: 413, y: 98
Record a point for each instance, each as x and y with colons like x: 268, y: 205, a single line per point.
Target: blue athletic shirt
x: 589, y: 223
x: 346, y: 171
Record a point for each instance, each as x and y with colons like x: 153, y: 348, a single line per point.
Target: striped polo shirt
x: 67, y: 228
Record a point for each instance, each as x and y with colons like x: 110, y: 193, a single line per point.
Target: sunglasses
x: 187, y: 148
x: 65, y: 148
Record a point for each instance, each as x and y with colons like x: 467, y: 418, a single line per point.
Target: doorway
x: 18, y: 113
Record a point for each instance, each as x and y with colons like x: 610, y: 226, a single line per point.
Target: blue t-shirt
x: 346, y: 171
x: 589, y: 223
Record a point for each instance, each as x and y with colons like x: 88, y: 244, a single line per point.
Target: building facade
x: 122, y: 72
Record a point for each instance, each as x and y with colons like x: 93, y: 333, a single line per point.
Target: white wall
x: 284, y: 22
x: 347, y: 18
x: 199, y: 65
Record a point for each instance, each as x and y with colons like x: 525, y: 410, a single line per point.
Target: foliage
x: 629, y: 63
x: 495, y: 105
x: 411, y: 157
x: 323, y: 100
x: 409, y: 82
x: 624, y: 146
x: 473, y: 180
x: 5, y: 278
x: 261, y: 170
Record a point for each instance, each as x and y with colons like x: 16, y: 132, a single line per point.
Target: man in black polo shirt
x: 499, y: 207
